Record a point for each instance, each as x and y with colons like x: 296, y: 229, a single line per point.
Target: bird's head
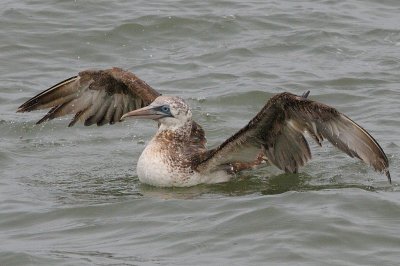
x: 171, y: 112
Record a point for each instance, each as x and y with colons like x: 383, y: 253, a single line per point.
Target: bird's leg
x: 236, y: 167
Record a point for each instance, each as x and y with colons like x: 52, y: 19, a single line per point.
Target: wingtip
x: 387, y: 173
x: 44, y: 119
x: 305, y: 94
x: 23, y: 108
x: 72, y: 123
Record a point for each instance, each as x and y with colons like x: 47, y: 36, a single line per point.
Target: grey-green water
x: 70, y: 196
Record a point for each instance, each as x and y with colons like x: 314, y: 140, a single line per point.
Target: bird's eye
x: 165, y: 109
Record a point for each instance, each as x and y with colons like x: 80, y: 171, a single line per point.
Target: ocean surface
x: 71, y: 196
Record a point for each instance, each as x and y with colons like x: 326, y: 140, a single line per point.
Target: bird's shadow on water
x: 246, y: 185
x: 303, y: 182
x: 86, y: 188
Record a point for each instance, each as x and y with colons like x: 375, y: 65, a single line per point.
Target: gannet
x: 177, y: 155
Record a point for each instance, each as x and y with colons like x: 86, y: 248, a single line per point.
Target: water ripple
x: 70, y: 196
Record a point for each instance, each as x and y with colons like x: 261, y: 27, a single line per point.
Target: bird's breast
x: 163, y: 165
x: 168, y: 164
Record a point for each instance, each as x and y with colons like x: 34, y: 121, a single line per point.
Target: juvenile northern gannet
x: 177, y: 154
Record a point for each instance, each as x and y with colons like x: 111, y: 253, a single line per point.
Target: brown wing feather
x: 279, y: 129
x: 94, y: 96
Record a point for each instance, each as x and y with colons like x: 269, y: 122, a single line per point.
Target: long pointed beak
x: 148, y: 112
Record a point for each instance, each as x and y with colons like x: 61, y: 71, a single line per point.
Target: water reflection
x: 247, y: 185
x: 98, y: 186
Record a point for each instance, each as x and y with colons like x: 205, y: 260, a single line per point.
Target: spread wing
x: 94, y: 96
x: 279, y: 129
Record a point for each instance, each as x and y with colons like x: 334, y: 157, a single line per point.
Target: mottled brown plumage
x: 94, y: 96
x: 177, y: 155
x: 280, y: 126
